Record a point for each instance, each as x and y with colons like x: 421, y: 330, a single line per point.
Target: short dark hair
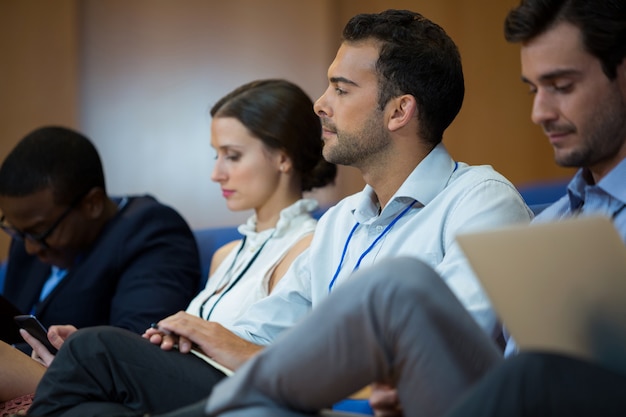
x: 55, y: 157
x: 417, y: 57
x: 602, y: 24
x: 281, y: 115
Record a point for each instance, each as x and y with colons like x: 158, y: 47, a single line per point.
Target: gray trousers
x: 396, y: 321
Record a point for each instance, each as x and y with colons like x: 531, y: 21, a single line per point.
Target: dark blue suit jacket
x: 143, y: 267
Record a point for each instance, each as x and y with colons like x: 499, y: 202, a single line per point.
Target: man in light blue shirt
x: 574, y: 60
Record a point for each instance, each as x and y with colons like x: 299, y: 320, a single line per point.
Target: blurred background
x: 139, y: 76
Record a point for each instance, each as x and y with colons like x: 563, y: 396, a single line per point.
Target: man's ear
x: 403, y: 110
x: 93, y: 203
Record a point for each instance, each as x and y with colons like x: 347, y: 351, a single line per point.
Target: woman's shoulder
x: 221, y: 253
x: 292, y: 253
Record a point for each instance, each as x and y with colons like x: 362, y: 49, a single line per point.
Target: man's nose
x: 544, y: 109
x: 320, y: 107
x: 32, y: 248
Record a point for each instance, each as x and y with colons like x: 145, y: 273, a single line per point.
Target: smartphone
x: 36, y: 329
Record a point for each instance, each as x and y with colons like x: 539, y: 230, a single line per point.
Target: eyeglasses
x: 39, y: 238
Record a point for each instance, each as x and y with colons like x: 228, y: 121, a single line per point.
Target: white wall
x: 151, y: 69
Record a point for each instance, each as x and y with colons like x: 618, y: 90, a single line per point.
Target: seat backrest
x: 3, y: 271
x: 543, y: 192
x: 209, y: 240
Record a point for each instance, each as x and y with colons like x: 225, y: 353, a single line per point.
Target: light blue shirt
x: 607, y: 197
x: 451, y: 198
x: 56, y: 275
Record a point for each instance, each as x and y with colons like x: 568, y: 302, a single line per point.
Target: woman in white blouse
x: 269, y: 151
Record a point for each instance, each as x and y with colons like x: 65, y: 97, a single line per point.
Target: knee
x: 95, y: 338
x: 403, y: 277
x: 399, y: 281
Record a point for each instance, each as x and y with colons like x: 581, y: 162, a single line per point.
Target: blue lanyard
x: 358, y: 263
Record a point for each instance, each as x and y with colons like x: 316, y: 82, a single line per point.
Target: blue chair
x: 3, y: 271
x: 209, y: 240
x: 353, y: 405
x: 539, y: 195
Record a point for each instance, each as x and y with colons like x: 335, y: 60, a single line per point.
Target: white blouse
x: 243, y: 276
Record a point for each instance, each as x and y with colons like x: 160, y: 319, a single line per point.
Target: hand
x: 208, y: 337
x: 161, y: 337
x: 384, y: 400
x: 56, y: 336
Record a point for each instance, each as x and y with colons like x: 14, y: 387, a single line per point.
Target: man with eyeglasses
x: 39, y: 238
x: 80, y: 257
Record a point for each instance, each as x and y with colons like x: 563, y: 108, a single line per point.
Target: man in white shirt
x: 394, y: 87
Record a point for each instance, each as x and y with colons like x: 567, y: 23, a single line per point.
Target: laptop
x: 557, y: 287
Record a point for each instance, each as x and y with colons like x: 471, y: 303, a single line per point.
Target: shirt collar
x: 287, y: 215
x: 424, y: 183
x: 611, y: 183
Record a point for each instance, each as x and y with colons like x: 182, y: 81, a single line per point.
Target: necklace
x: 223, y: 289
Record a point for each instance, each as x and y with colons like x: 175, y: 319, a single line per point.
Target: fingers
x: 169, y: 341
x: 58, y: 333
x: 149, y: 332
x: 177, y: 323
x: 384, y: 401
x: 154, y: 337
x: 182, y: 324
x: 39, y: 353
x: 181, y: 330
x: 63, y: 331
x: 184, y: 344
x: 158, y: 336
